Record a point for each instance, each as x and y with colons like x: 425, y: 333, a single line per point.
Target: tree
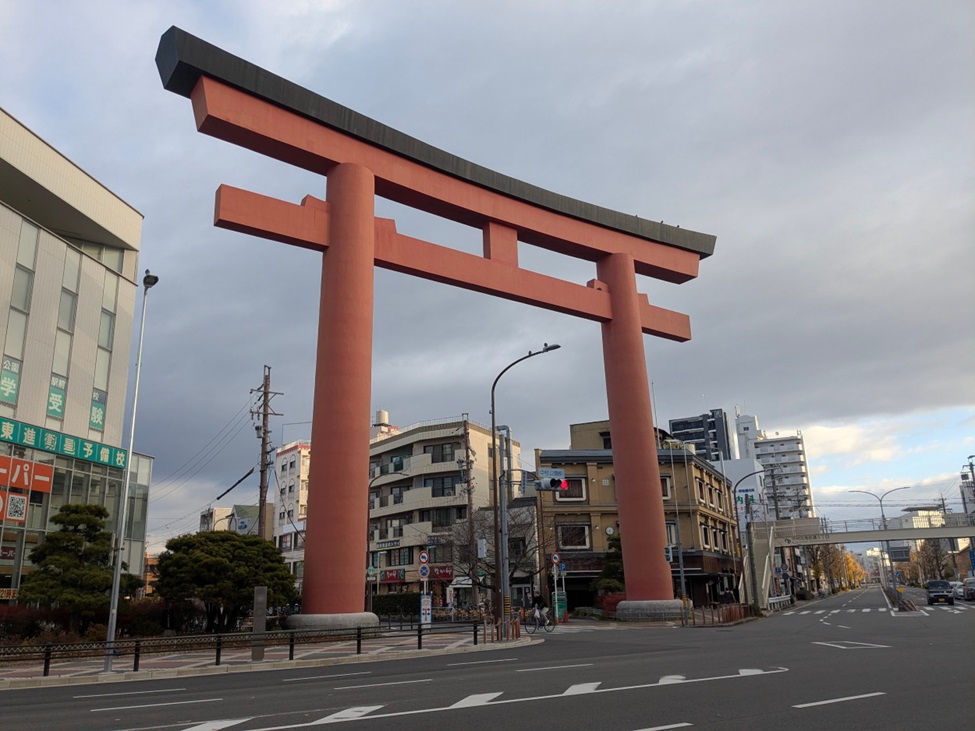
x: 611, y: 577
x: 933, y: 559
x: 73, y: 567
x: 221, y: 569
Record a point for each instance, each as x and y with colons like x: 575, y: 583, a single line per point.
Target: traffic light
x: 553, y: 483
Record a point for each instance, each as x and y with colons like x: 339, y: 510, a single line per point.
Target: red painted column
x: 335, y: 541
x: 642, y: 529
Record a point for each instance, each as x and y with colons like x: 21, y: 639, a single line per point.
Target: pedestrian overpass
x: 764, y: 537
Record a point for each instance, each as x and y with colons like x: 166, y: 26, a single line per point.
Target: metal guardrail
x: 218, y: 643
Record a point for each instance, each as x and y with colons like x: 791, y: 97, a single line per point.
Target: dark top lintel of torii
x: 182, y: 58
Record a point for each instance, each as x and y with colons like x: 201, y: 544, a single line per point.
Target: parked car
x: 969, y: 585
x: 940, y: 591
x: 958, y: 589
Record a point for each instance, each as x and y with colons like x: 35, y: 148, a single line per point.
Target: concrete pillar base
x: 350, y: 620
x: 649, y: 609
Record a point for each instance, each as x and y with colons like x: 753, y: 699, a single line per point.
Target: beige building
x: 577, y: 523
x: 69, y: 279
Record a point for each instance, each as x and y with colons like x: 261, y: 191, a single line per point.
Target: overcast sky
x: 828, y: 145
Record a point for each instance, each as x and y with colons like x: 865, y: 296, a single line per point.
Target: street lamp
x: 148, y: 281
x: 734, y: 497
x: 883, y: 519
x: 499, y: 503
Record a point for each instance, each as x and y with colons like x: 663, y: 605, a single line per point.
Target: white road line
x: 348, y: 714
x: 820, y: 611
x: 383, y: 685
x: 555, y: 667
x: 217, y: 725
x: 324, y: 677
x: 664, y: 728
x: 478, y: 699
x: 667, y: 679
x: 805, y: 612
x: 581, y: 688
x: 866, y: 610
x: 480, y: 662
x: 134, y: 692
x: 838, y: 700
x: 156, y: 705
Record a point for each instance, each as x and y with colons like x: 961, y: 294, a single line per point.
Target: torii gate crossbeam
x: 243, y: 104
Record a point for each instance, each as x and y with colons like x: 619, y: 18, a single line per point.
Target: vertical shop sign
x: 56, y: 395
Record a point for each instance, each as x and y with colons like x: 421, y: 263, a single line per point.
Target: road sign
x: 426, y: 610
x: 555, y: 558
x: 562, y: 566
x: 424, y: 556
x: 424, y: 571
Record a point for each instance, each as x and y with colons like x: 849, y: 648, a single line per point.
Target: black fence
x: 216, y: 644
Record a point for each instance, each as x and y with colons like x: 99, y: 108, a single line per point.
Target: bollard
x: 291, y: 646
x: 358, y: 640
x: 419, y: 637
x: 219, y: 647
x: 47, y: 659
x: 475, y: 634
x: 136, y: 652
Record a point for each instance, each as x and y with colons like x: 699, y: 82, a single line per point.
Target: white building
x: 69, y: 277
x: 787, y: 487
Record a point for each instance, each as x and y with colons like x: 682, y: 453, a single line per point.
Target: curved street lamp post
x: 148, y: 281
x: 499, y: 503
x: 883, y: 522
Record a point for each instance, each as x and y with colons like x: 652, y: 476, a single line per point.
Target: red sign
x: 444, y: 573
x: 390, y: 575
x: 26, y: 475
x: 8, y: 552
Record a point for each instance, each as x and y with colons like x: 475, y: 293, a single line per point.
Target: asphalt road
x: 842, y: 663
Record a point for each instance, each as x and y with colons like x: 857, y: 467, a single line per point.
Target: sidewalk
x: 235, y: 660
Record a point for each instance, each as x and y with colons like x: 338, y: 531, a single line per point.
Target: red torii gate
x: 246, y: 105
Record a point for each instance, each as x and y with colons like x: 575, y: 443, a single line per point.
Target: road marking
x: 666, y: 679
x: 156, y: 705
x: 820, y: 611
x: 134, y: 692
x: 581, y: 688
x: 838, y: 700
x: 217, y: 725
x: 348, y: 714
x: 479, y: 699
x: 554, y: 667
x: 480, y: 662
x: 842, y: 626
x: 324, y: 677
x: 862, y: 645
x: 805, y: 612
x: 383, y: 685
x: 664, y: 728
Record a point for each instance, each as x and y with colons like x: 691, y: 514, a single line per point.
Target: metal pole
x: 495, y: 497
x: 883, y: 522
x: 147, y: 281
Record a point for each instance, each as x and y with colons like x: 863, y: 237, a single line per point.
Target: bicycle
x: 538, y: 619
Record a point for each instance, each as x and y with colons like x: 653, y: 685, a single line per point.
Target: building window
x: 400, y: 557
x: 672, y: 534
x: 710, y: 496
x: 665, y: 486
x: 442, y: 486
x: 441, y: 553
x: 705, y: 535
x: 440, y: 452
x: 607, y: 441
x: 700, y: 488
x: 573, y: 537
x: 291, y: 487
x: 576, y: 490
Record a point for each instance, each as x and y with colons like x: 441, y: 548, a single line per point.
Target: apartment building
x: 428, y: 483
x: 711, y: 434
x: 69, y: 277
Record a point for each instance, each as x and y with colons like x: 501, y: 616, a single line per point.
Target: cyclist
x: 540, y: 608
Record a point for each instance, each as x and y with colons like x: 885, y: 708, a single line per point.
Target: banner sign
x: 56, y: 396
x: 96, y: 417
x: 443, y: 573
x: 25, y: 475
x: 10, y: 380
x: 48, y: 440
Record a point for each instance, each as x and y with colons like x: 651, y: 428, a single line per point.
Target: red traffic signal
x: 553, y: 483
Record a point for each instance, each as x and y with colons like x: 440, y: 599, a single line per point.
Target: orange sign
x: 25, y: 475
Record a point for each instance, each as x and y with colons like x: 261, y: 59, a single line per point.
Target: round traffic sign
x: 424, y: 571
x: 555, y: 558
x: 424, y: 556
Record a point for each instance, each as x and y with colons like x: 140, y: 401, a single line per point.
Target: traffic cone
x: 565, y: 616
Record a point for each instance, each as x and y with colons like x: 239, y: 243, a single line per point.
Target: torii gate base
x: 360, y: 158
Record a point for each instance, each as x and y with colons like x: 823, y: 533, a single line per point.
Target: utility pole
x: 468, y: 475
x: 264, y: 434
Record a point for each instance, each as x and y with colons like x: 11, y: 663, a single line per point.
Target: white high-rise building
x: 787, y: 487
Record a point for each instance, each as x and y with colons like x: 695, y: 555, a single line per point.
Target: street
x: 845, y: 662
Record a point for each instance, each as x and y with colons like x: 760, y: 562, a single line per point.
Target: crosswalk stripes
x: 955, y: 608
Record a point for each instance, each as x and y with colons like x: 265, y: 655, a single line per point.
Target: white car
x: 958, y: 589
